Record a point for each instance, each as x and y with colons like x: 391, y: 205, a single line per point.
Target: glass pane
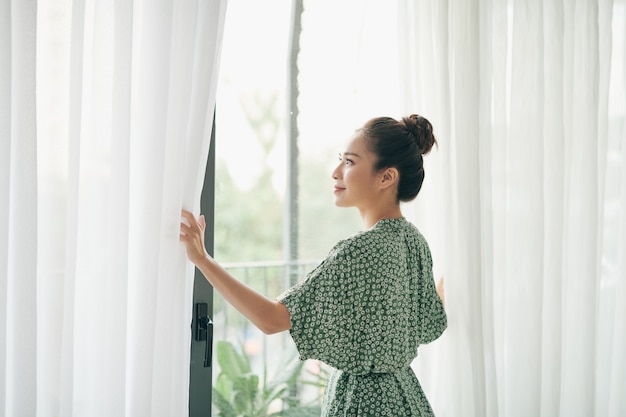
x: 251, y: 166
x: 341, y: 85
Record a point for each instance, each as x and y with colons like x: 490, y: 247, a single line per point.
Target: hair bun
x: 422, y: 131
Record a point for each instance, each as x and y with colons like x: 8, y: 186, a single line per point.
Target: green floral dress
x: 364, y: 311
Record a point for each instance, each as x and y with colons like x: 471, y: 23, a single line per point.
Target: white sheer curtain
x: 525, y: 202
x: 102, y: 145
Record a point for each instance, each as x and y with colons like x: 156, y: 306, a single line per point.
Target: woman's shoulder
x: 385, y: 234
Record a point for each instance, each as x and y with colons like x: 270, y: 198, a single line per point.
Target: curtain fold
x: 527, y: 98
x: 18, y: 257
x: 93, y: 192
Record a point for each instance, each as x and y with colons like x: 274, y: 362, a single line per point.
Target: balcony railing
x: 266, y: 353
x: 270, y: 278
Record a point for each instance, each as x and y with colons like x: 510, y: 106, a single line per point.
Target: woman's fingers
x: 193, y: 222
x: 189, y: 217
x: 191, y: 234
x: 184, y: 230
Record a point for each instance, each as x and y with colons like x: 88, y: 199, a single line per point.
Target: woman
x: 369, y: 305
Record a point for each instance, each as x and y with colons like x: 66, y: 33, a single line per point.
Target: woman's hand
x: 440, y: 291
x: 192, y: 235
x: 268, y: 315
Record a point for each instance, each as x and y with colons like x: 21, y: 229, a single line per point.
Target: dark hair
x: 401, y: 144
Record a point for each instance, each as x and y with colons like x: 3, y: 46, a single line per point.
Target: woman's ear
x: 389, y: 177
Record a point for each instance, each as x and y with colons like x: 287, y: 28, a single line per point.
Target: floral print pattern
x: 364, y: 311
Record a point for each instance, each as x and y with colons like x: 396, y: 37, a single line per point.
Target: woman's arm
x: 268, y: 315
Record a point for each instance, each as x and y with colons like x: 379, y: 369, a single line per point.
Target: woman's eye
x: 348, y: 161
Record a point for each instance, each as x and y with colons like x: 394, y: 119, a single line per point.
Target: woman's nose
x: 336, y: 172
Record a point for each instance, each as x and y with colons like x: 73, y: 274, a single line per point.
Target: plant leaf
x: 275, y: 392
x: 288, y: 373
x: 223, y: 405
x: 232, y: 363
x: 223, y: 385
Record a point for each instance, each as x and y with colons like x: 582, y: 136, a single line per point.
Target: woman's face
x: 355, y: 179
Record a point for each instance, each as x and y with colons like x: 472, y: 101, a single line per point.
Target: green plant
x: 238, y: 392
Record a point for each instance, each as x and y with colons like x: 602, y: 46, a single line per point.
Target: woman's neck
x: 371, y: 217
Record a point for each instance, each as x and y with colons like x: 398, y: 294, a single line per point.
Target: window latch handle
x: 204, y: 331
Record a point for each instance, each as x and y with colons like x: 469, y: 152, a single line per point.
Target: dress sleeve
x: 368, y: 306
x: 432, y: 319
x: 354, y: 311
x: 322, y: 312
